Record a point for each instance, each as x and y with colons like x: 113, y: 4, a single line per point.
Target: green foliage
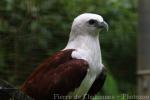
x: 31, y: 30
x: 113, y: 86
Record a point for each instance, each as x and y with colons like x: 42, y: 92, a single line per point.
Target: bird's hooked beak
x: 103, y: 25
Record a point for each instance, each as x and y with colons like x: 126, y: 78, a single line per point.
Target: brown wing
x: 59, y: 74
x: 97, y: 85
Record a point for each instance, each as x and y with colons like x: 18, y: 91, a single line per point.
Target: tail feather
x: 9, y: 92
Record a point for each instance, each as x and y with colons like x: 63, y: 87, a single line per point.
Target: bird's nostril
x: 102, y: 25
x: 102, y: 22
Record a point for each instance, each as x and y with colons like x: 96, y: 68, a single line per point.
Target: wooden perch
x: 8, y: 92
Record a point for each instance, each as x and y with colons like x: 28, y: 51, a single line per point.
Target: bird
x: 75, y: 72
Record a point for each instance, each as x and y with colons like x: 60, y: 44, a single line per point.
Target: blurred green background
x: 32, y: 30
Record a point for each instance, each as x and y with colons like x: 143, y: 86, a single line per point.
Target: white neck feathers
x: 87, y: 46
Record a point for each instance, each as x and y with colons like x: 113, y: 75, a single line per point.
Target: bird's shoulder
x: 54, y: 61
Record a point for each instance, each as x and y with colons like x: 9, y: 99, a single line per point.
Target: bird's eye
x: 92, y: 21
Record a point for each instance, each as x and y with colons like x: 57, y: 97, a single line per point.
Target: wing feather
x: 97, y: 85
x: 59, y: 74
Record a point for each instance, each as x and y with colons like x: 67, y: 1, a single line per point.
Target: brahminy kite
x: 76, y: 72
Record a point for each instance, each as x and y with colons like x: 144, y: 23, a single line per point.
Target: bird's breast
x: 94, y: 70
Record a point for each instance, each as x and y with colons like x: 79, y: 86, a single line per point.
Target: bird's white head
x: 84, y: 31
x: 88, y: 23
